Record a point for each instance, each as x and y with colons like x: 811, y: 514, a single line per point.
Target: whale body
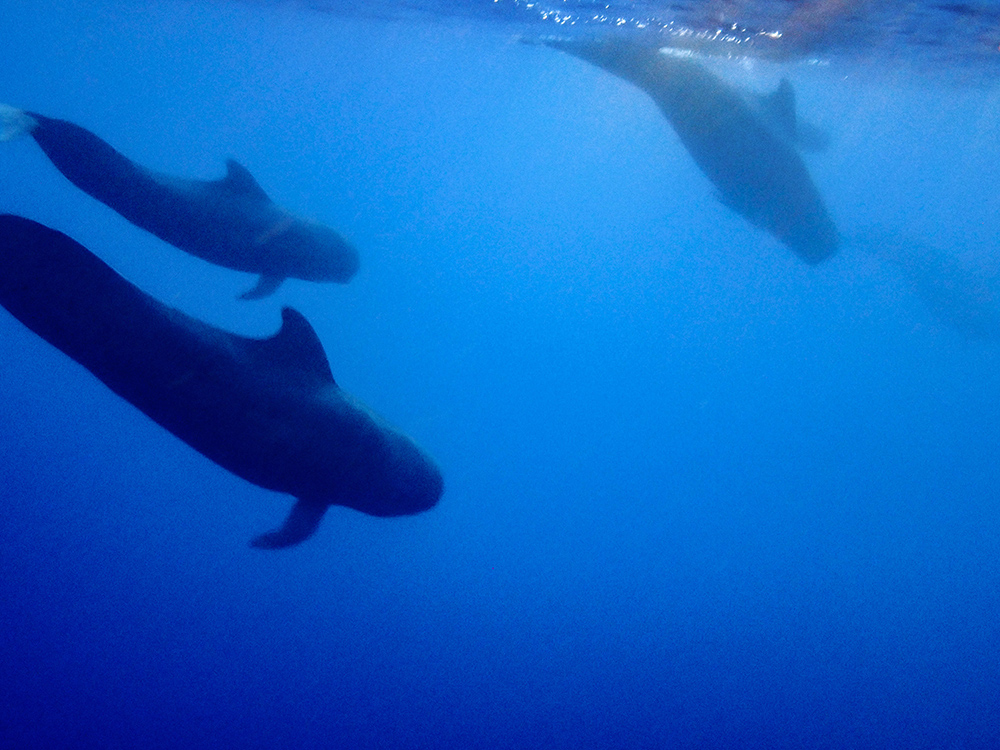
x: 267, y: 410
x: 230, y: 222
x: 746, y: 147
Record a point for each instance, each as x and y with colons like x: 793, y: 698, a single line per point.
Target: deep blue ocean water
x: 698, y: 494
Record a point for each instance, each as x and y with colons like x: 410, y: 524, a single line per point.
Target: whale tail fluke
x: 15, y: 122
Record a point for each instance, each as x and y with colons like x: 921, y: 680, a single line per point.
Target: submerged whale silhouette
x: 745, y: 147
x: 230, y: 222
x: 959, y: 293
x: 268, y: 410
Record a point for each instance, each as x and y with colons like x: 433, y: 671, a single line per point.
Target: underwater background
x: 697, y: 493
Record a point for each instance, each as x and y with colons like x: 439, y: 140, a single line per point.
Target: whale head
x: 309, y: 250
x: 396, y: 476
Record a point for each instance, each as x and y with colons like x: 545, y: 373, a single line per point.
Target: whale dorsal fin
x: 780, y: 108
x: 811, y: 137
x: 240, y: 181
x: 295, y: 347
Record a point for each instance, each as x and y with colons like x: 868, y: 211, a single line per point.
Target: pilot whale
x: 230, y: 222
x: 745, y: 146
x: 268, y: 410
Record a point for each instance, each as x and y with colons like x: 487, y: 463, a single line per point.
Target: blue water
x: 698, y: 494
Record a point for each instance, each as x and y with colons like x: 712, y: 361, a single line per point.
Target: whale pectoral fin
x: 301, y: 524
x: 265, y: 287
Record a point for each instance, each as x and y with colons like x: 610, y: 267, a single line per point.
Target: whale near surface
x: 230, y: 222
x: 746, y: 146
x: 268, y: 410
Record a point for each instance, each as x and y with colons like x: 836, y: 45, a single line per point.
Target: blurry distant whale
x: 267, y: 410
x: 230, y: 222
x: 961, y: 295
x: 745, y: 146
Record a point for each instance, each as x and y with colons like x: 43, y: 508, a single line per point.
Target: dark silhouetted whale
x: 745, y: 145
x: 230, y: 222
x: 268, y: 410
